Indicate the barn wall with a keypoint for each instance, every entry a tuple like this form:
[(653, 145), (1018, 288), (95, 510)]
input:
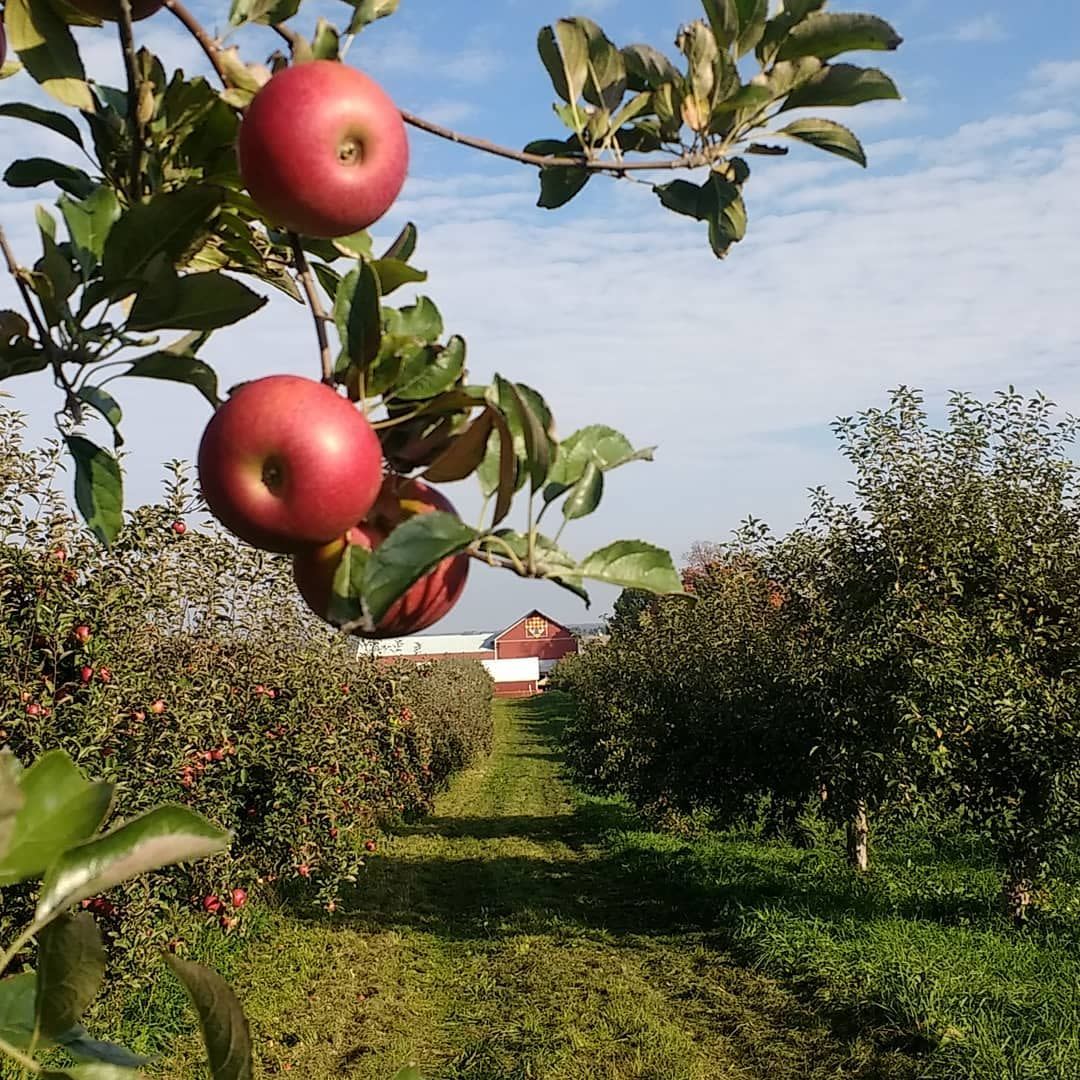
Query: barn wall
[(515, 689)]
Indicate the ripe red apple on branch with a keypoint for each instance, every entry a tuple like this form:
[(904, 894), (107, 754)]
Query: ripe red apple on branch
[(287, 463), (427, 600), (323, 150)]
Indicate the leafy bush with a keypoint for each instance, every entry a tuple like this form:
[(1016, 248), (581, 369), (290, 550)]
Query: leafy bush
[(176, 666)]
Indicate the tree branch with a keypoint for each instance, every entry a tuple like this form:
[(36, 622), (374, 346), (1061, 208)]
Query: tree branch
[(683, 161), (127, 45), (195, 28), (318, 313), (72, 402)]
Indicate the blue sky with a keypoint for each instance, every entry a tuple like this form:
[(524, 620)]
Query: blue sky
[(951, 263)]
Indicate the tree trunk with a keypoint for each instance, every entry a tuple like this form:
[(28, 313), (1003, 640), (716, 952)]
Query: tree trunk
[(858, 838), (1016, 892)]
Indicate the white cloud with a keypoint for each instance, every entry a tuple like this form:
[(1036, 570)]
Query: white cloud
[(397, 52), (448, 113), (1053, 77), (982, 29), (951, 263)]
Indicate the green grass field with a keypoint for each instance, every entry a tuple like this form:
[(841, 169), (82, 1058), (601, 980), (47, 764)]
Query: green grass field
[(528, 931)]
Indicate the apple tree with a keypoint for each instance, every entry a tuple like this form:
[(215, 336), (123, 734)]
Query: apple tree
[(197, 196)]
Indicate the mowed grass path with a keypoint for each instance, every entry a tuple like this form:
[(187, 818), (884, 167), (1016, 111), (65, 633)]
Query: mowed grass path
[(503, 939)]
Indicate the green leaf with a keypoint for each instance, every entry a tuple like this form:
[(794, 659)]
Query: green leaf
[(324, 45), (48, 51), (827, 135), (97, 1053), (647, 68), (357, 314), (723, 20), (346, 594), (32, 172), (71, 968), (99, 486), (499, 470), (586, 494), (606, 83), (825, 34), (559, 184), (11, 798), (393, 274), (535, 421), (420, 320), (329, 279), (45, 117), (103, 402), (163, 836), (60, 808), (779, 26), (564, 50), (681, 196), (605, 446), (170, 223), (753, 15), (176, 364), (224, 1027), (404, 244), (197, 302), (410, 551), (89, 222), (17, 993), (431, 370), (367, 11), (840, 85), (465, 454), (633, 564), (262, 11)]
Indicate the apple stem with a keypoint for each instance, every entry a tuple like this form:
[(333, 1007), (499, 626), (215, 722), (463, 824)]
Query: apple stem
[(318, 312)]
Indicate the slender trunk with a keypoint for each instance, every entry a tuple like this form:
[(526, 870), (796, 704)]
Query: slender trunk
[(1017, 888), (858, 838)]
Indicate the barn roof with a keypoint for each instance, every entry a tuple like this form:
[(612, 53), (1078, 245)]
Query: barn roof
[(529, 615)]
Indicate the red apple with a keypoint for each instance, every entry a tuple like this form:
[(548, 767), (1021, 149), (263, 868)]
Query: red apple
[(426, 601), (109, 10), (288, 462), (211, 903), (33, 709), (104, 674), (86, 674), (81, 633), (157, 707), (370, 845), (239, 898), (179, 528), (323, 149)]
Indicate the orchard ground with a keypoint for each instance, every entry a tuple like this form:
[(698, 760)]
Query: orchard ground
[(528, 930)]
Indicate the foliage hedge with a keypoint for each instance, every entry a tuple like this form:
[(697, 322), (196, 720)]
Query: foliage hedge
[(201, 682), (912, 652)]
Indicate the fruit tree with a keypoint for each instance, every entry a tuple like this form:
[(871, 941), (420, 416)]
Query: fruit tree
[(271, 176)]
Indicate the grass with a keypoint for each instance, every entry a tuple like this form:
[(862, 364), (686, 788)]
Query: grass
[(524, 932)]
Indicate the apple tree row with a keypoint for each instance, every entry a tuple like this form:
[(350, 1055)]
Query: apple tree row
[(177, 666), (912, 651)]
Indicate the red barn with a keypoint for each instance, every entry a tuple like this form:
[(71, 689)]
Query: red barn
[(516, 658), (535, 635)]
